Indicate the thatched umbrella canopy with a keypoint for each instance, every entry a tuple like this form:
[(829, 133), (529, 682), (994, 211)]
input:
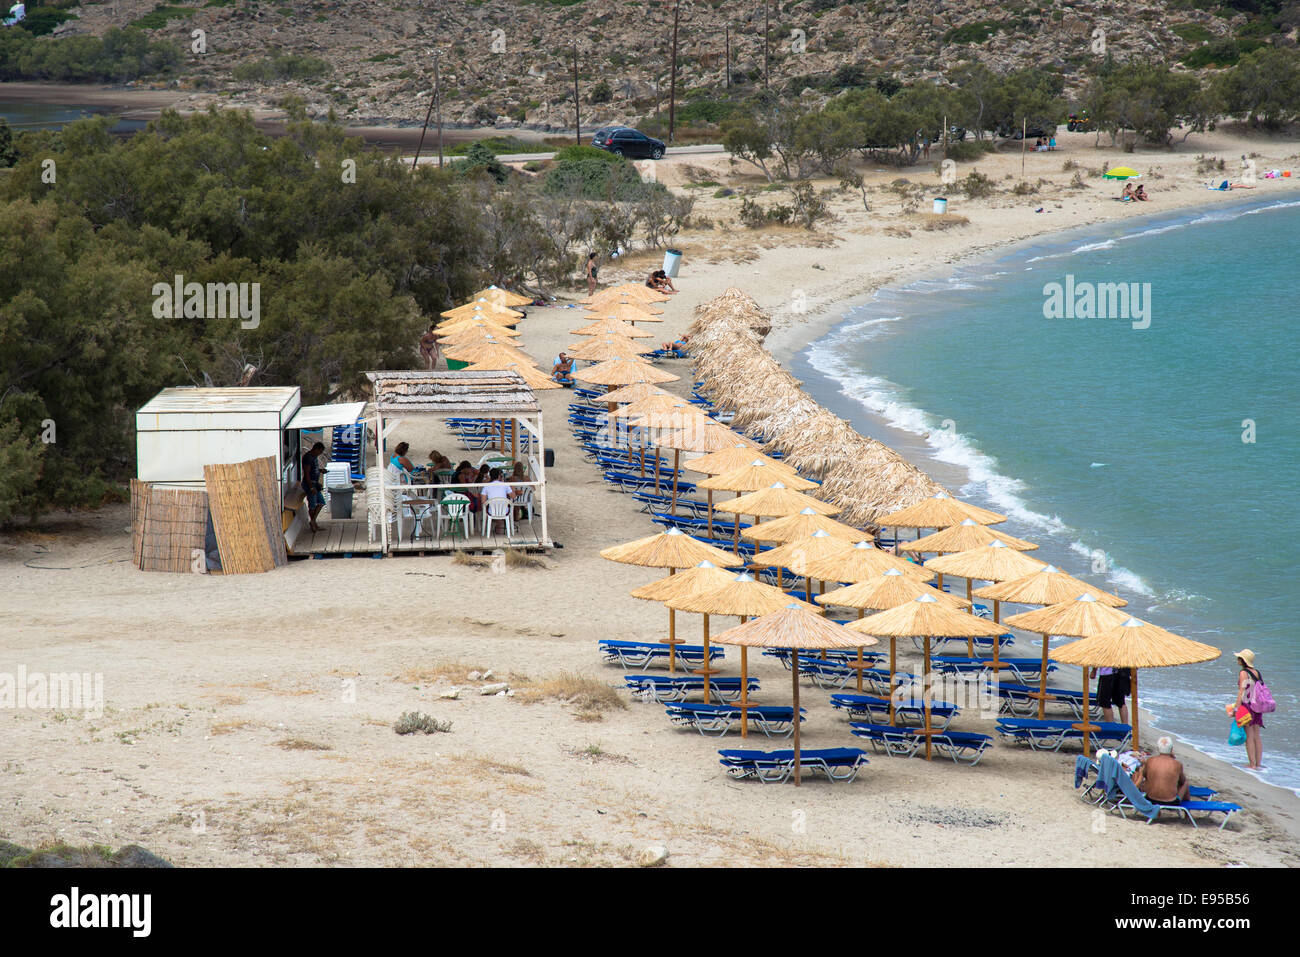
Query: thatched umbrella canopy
[(743, 596), (474, 334), (489, 350), (800, 554), (887, 590), (1081, 617), (658, 402), (925, 616), (602, 348), (939, 511), (705, 574), (774, 501), (795, 626), (703, 435), (532, 376), (672, 549), (1134, 644), (867, 561), (625, 312), (485, 309), (634, 393), (618, 372), (967, 535), (1047, 586), (628, 290), (502, 297), (455, 326), (757, 474), (802, 524), (612, 327), (732, 458), (996, 561)]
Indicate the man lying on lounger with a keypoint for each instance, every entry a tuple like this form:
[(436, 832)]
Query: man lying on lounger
[(1161, 777)]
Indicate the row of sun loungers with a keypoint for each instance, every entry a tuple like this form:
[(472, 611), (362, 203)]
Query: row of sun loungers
[(1049, 735), (775, 767), (641, 654), (666, 688), (718, 719), (964, 747)]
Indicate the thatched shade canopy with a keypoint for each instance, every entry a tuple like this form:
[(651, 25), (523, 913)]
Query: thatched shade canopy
[(887, 590), (775, 500), (867, 561), (659, 402), (799, 554), (622, 372), (670, 549), (802, 524), (489, 350), (995, 561), (502, 297), (732, 458), (1080, 617), (702, 577), (967, 535), (536, 379), (603, 348), (485, 310), (938, 511), (743, 596), (625, 312), (755, 475), (629, 290), (461, 325), (471, 336), (1047, 586), (634, 393), (612, 327), (702, 435)]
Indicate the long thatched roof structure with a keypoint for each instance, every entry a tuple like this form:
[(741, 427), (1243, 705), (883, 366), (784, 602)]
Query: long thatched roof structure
[(864, 478)]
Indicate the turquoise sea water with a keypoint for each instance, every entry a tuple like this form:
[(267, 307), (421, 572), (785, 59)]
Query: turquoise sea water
[(1120, 449)]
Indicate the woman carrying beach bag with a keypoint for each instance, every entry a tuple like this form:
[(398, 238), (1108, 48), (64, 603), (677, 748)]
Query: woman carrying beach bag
[(1254, 696)]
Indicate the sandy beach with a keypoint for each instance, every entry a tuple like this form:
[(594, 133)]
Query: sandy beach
[(248, 720)]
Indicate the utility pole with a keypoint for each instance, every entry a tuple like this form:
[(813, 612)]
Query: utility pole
[(427, 114), (577, 111), (767, 49), (672, 83), (437, 103), (727, 64)]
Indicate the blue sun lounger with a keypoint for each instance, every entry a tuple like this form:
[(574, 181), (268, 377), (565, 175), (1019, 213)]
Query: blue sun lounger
[(873, 709), (641, 654), (1024, 669), (665, 688), (838, 764), (964, 747), (1104, 789), (1134, 800), (1016, 700), (720, 718), (1050, 735), (983, 643)]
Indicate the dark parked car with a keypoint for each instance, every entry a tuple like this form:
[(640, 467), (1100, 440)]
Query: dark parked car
[(625, 141)]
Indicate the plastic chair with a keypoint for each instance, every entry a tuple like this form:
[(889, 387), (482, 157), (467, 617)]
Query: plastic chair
[(524, 501), (375, 513), (454, 510), (499, 510)]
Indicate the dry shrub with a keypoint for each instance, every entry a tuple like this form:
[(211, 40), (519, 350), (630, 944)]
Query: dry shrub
[(301, 744), (413, 721), (456, 672), (589, 696), (931, 222)]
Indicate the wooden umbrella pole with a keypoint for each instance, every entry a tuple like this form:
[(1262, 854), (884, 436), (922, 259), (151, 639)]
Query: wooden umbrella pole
[(710, 513), (744, 687), (707, 659), (1042, 685), (794, 670), (861, 614), (926, 687), (807, 589), (672, 509), (892, 649), (672, 641), (970, 639), (643, 461), (514, 440), (656, 464), (997, 611), (1087, 722)]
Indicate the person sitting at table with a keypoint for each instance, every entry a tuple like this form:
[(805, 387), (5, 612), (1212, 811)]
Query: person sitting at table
[(1161, 776), (467, 475), (438, 461), (562, 370), (399, 461), (497, 489), (519, 473)]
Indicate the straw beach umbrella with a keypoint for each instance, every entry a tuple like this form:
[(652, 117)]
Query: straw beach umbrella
[(959, 538), (454, 326), (629, 313), (925, 616), (533, 377), (705, 574), (794, 626), (485, 309), (1133, 644), (802, 524), (672, 549), (864, 562), (697, 434), (887, 590), (801, 553), (627, 290), (1082, 617), (997, 561), (775, 501), (757, 473), (602, 348), (1047, 586), (732, 458), (502, 297), (489, 350), (615, 327), (939, 511), (743, 596), (618, 372), (634, 393)]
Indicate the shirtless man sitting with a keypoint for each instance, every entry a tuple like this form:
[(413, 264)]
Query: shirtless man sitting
[(1161, 777)]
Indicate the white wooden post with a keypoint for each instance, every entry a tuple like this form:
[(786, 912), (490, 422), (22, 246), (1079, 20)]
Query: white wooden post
[(541, 477), (383, 510)]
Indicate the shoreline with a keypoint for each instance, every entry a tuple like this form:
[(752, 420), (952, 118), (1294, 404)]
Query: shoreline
[(790, 342)]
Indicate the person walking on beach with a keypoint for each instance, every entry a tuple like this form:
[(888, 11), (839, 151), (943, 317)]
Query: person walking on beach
[(311, 483), (1247, 676), (591, 273), (429, 348)]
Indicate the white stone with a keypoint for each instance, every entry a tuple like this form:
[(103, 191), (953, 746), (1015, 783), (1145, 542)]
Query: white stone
[(652, 856), (494, 688)]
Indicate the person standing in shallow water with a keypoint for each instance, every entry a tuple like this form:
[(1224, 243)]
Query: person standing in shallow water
[(1247, 675)]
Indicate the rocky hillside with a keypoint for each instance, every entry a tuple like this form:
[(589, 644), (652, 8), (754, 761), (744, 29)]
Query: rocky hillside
[(508, 62)]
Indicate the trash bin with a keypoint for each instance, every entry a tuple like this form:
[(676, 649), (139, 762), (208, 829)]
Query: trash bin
[(672, 260), (940, 205), (548, 458), (341, 502)]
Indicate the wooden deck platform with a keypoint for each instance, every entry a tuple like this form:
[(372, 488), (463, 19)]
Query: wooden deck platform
[(351, 536)]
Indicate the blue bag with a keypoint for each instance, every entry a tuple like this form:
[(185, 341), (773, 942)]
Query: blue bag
[(1237, 735)]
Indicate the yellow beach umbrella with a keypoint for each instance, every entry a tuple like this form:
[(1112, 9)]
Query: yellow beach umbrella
[(867, 561), (602, 348), (634, 393), (1047, 586), (484, 310), (455, 326), (618, 372), (802, 524), (801, 553), (502, 297), (615, 327), (536, 380)]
